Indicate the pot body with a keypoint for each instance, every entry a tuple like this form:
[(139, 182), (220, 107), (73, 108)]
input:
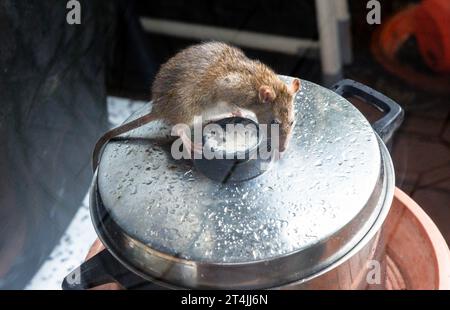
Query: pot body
[(363, 270)]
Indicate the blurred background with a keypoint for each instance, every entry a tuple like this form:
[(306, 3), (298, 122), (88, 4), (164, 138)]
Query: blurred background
[(62, 85)]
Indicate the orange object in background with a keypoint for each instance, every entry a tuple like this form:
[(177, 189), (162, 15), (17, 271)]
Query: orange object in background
[(429, 23), (433, 33)]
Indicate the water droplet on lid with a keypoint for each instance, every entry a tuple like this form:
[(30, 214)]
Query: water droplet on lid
[(255, 253), (133, 190), (256, 236)]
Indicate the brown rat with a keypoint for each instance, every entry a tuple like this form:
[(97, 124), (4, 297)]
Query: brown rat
[(214, 78)]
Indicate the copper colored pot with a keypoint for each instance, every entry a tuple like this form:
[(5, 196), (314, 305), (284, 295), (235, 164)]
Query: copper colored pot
[(416, 255)]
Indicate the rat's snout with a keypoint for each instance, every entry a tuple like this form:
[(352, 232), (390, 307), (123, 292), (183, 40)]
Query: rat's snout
[(280, 133), (284, 143), (279, 139), (284, 138)]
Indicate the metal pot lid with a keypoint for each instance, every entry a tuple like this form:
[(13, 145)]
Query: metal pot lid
[(314, 204)]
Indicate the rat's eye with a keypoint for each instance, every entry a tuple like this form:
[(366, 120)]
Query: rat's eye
[(291, 123)]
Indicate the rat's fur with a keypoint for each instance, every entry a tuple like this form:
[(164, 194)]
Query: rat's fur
[(199, 77), (214, 78)]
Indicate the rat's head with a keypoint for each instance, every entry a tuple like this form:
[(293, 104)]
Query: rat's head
[(276, 106)]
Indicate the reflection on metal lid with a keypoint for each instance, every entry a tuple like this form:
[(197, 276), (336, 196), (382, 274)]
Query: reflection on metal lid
[(319, 191)]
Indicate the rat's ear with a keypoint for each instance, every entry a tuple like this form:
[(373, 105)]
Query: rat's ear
[(266, 94), (295, 86)]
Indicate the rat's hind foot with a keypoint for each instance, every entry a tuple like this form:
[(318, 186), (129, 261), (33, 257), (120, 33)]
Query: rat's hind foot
[(190, 147), (197, 148), (194, 149), (237, 113)]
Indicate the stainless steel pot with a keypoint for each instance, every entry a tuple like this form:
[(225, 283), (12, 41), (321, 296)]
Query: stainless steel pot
[(311, 221)]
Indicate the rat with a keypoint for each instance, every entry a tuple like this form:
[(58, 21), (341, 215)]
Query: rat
[(213, 78)]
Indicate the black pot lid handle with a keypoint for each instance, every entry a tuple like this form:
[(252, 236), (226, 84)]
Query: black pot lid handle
[(394, 114), (101, 269)]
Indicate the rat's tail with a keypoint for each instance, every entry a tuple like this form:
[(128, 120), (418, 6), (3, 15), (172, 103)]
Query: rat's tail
[(118, 131)]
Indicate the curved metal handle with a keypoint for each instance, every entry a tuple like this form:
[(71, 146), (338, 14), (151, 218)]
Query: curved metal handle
[(390, 122), (101, 269)]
